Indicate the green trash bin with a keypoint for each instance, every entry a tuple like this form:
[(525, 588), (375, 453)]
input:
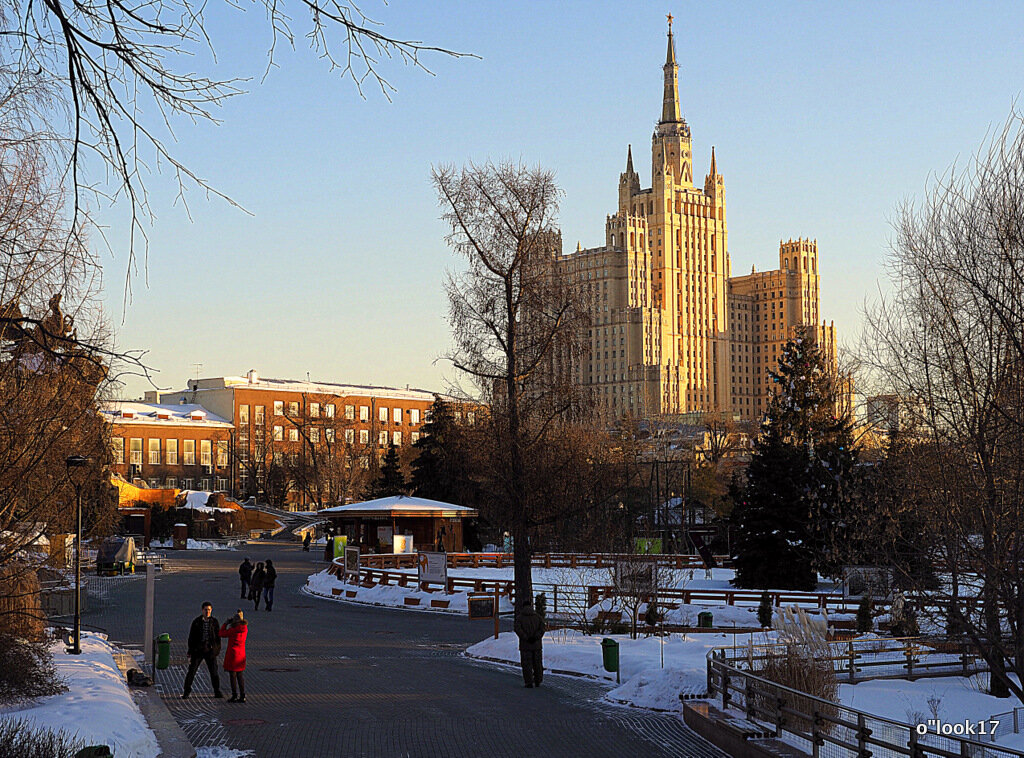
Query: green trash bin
[(610, 652), (705, 620), (163, 651)]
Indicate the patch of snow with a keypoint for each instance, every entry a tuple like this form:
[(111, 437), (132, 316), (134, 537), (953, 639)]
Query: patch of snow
[(97, 708), (222, 751)]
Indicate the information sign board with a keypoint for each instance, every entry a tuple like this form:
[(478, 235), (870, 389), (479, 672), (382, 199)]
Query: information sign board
[(433, 567), (352, 561)]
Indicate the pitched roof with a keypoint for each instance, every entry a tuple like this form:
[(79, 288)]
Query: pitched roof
[(401, 505)]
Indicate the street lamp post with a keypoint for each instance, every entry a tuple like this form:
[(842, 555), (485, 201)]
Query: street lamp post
[(75, 466)]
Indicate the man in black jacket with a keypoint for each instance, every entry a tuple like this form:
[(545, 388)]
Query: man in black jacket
[(268, 584), (529, 628), (245, 574), (203, 645)]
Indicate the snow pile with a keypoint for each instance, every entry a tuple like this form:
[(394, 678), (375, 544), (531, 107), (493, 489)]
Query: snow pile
[(192, 544), (645, 683), (196, 501), (222, 751), (97, 705), (684, 615), (322, 584)]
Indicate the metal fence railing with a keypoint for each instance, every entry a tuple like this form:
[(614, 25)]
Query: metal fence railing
[(826, 729)]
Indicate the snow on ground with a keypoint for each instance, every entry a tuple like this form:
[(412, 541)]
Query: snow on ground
[(195, 545), (97, 705), (322, 583), (645, 683), (220, 751), (950, 699)]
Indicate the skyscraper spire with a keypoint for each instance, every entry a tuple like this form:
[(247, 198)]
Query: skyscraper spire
[(714, 171), (629, 160), (670, 105)]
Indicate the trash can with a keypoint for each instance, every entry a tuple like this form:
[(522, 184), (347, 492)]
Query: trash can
[(163, 651), (610, 652), (705, 620)]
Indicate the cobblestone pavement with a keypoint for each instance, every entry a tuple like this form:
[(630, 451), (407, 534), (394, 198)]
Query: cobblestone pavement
[(334, 679)]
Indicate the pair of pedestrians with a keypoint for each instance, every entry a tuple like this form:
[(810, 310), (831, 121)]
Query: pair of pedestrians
[(258, 581), (204, 638)]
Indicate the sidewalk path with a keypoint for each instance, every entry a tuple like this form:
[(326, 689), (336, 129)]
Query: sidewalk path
[(333, 679)]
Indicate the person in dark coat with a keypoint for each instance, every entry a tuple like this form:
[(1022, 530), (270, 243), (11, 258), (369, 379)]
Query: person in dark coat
[(203, 645), (245, 574), (268, 584), (236, 630), (256, 586), (305, 542), (530, 628)]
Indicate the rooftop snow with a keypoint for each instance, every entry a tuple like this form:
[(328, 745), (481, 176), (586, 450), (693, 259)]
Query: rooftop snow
[(150, 413)]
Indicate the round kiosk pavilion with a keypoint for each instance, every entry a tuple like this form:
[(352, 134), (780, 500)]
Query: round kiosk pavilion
[(373, 524)]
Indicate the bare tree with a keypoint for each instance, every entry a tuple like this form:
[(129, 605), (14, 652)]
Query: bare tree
[(105, 63), (515, 325), (949, 344)]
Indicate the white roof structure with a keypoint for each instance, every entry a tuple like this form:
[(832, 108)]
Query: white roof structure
[(133, 412), (253, 381), (401, 505)]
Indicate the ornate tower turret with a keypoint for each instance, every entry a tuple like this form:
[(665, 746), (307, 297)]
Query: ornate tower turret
[(671, 141), (629, 181)]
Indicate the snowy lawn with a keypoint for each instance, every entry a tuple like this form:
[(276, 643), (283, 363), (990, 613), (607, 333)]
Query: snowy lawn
[(196, 545), (645, 683), (97, 705), (950, 699), (322, 584)]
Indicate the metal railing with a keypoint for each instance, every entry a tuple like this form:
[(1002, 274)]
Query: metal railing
[(827, 729)]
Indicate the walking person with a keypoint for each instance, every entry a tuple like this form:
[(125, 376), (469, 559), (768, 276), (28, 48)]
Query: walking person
[(203, 645), (245, 574), (305, 542), (529, 629), (236, 630), (268, 584), (256, 585)]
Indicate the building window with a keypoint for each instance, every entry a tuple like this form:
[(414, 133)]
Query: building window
[(171, 452), (278, 408), (204, 485), (314, 410), (398, 415), (260, 415), (293, 409), (470, 417), (364, 413), (222, 453), (172, 482), (415, 437), (329, 410), (314, 435), (189, 453), (396, 439), (350, 436), (382, 439), (350, 412), (293, 434), (205, 452), (135, 451), (186, 484), (118, 445), (382, 414), (278, 433), (222, 484), (243, 414), (364, 437), (154, 452), (414, 416), (329, 435)]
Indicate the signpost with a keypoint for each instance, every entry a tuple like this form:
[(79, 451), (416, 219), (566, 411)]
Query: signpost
[(432, 567), (352, 562), (485, 607)]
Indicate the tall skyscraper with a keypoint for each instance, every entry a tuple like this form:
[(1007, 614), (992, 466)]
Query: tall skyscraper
[(672, 332)]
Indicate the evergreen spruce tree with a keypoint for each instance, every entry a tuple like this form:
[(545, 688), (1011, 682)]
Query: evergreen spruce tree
[(765, 611), (391, 480), (865, 618), (790, 520), (436, 472)]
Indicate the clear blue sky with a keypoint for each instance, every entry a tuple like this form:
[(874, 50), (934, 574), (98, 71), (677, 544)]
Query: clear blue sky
[(824, 117)]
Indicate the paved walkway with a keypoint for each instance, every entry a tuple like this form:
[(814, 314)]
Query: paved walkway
[(333, 679)]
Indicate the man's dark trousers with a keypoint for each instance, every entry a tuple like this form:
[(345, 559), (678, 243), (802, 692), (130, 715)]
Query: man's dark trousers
[(193, 666), (533, 665)]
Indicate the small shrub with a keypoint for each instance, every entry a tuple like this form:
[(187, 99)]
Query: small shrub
[(765, 611), (653, 615), (20, 739), (26, 670), (865, 620), (798, 668)]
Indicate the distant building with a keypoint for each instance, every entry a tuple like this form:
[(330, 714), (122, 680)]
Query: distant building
[(672, 331)]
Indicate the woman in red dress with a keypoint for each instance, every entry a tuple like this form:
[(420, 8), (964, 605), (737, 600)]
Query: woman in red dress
[(235, 630)]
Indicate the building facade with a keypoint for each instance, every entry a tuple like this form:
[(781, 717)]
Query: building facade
[(672, 331)]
